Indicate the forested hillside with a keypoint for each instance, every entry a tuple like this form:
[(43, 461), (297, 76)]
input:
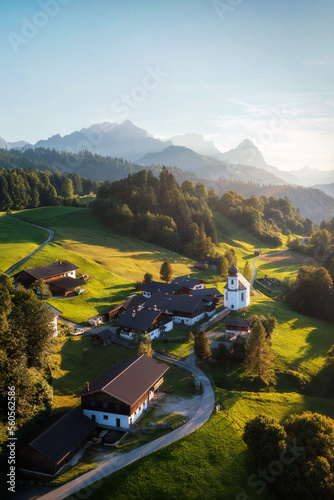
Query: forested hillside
[(312, 203), (159, 211), (180, 218), (22, 188)]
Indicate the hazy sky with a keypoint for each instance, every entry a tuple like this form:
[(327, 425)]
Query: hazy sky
[(227, 69)]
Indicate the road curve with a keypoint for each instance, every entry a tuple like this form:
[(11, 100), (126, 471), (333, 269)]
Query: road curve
[(120, 460), (254, 267), (50, 237)]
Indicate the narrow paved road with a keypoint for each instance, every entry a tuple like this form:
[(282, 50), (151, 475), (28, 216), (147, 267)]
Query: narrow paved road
[(50, 237), (122, 459), (254, 268)]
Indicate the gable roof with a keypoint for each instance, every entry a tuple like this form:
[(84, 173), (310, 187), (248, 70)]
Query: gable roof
[(129, 379), (206, 292), (188, 282), (67, 283), (159, 286), (230, 322), (142, 320), (180, 303), (104, 334), (49, 270), (61, 434)]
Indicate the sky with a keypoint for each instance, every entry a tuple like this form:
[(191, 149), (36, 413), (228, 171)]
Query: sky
[(226, 69)]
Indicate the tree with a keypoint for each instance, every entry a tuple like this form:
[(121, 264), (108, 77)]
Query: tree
[(202, 346), (265, 438), (268, 323), (147, 277), (258, 354), (145, 347), (189, 337), (166, 272), (41, 289), (248, 272), (222, 266), (67, 188)]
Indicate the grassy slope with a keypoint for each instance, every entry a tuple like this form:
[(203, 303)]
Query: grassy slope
[(17, 240), (113, 262)]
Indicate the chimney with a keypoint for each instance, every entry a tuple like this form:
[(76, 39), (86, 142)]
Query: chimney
[(133, 313), (87, 386)]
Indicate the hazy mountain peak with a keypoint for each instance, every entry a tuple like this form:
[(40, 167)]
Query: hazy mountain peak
[(197, 143)]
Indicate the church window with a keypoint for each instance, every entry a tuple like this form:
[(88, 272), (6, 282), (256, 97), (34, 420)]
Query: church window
[(242, 296)]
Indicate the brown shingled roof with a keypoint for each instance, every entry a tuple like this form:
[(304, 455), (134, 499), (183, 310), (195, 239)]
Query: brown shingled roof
[(67, 283), (129, 379), (49, 270)]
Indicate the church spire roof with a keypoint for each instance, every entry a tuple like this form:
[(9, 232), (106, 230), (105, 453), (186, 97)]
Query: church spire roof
[(233, 270)]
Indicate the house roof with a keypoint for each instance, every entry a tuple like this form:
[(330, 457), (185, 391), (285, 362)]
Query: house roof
[(104, 334), (54, 310), (158, 286), (49, 270), (66, 283), (61, 434), (142, 320), (187, 282), (206, 292), (129, 379), (230, 322), (180, 303)]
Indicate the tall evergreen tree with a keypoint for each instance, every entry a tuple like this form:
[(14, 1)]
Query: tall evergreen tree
[(202, 346), (166, 272), (67, 188), (248, 271), (258, 360)]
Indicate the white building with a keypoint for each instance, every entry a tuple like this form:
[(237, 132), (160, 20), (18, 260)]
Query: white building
[(237, 290), (120, 396)]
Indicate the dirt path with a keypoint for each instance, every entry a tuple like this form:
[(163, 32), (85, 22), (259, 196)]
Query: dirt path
[(20, 262)]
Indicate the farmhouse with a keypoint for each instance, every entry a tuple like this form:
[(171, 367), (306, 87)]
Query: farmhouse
[(52, 446), (237, 290), (60, 276), (179, 284), (119, 397), (185, 309), (144, 321), (132, 301)]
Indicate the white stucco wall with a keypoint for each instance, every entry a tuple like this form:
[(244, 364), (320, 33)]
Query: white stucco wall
[(111, 420)]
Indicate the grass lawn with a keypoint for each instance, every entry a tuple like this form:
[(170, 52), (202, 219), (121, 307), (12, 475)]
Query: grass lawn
[(299, 347), (281, 266), (17, 240), (113, 262), (80, 231), (181, 350), (209, 464), (76, 361)]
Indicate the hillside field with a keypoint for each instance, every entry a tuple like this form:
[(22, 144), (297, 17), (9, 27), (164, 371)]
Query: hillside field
[(17, 240)]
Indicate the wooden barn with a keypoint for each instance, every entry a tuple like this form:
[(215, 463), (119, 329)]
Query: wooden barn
[(52, 446), (102, 338)]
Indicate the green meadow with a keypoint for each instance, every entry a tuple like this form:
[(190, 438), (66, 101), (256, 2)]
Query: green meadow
[(17, 240)]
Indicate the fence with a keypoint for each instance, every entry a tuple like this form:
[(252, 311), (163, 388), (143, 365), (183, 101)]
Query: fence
[(217, 317)]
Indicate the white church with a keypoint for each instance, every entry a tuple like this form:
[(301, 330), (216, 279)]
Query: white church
[(237, 290)]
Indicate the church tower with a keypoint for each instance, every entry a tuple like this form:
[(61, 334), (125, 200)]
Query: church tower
[(237, 290)]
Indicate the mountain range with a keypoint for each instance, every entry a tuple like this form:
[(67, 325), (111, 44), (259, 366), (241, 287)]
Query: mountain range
[(188, 152)]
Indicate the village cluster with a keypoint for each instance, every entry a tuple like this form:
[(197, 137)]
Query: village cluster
[(119, 397)]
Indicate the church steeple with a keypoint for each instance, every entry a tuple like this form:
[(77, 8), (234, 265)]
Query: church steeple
[(233, 270)]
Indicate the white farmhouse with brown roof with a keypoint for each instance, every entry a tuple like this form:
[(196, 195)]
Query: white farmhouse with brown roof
[(237, 290), (119, 396)]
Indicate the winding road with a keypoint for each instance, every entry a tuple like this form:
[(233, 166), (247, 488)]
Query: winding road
[(20, 262), (120, 460)]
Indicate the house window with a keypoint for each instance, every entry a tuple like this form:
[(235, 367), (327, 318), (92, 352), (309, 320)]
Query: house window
[(92, 403), (105, 405), (105, 417), (117, 407)]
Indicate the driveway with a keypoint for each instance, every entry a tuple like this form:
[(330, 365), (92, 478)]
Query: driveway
[(205, 406)]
